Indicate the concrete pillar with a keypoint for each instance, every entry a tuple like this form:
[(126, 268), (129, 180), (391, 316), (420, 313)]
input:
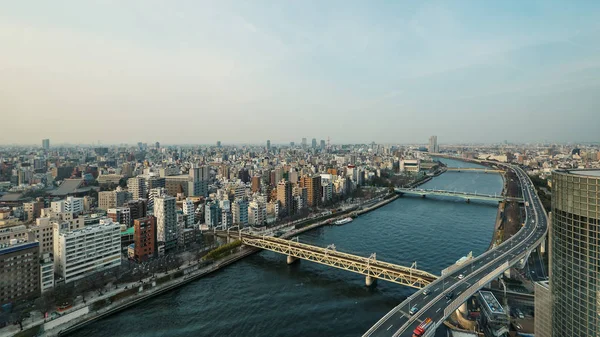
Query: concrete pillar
[(468, 201), (370, 281), (291, 259), (423, 196)]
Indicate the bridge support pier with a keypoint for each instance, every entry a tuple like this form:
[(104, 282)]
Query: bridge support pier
[(291, 259), (423, 196), (370, 281), (468, 201)]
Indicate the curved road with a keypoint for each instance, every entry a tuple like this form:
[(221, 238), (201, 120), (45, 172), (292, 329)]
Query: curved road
[(448, 292)]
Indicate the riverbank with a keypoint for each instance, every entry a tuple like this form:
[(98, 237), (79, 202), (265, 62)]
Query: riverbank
[(137, 292)]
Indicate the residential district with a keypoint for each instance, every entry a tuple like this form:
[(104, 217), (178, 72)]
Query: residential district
[(83, 228)]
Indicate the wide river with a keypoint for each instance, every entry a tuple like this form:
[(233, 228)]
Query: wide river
[(263, 296)]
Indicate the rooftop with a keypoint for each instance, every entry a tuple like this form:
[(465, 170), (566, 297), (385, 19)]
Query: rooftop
[(491, 302), (594, 173)]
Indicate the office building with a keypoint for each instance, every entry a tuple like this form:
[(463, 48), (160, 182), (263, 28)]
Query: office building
[(239, 210), (304, 144), (322, 144), (284, 197), (111, 199), (268, 145), (314, 143), (543, 309), (20, 271), (198, 181), (88, 250), (166, 221), (153, 194), (410, 165), (433, 145), (136, 186), (46, 144), (144, 237), (575, 253)]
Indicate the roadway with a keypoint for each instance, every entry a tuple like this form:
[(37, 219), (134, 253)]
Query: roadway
[(448, 292)]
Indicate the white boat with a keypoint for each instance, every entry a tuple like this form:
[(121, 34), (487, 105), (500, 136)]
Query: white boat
[(343, 221)]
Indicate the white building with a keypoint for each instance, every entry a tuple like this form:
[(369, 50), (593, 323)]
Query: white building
[(240, 212), (137, 187), (85, 251), (166, 220), (46, 272), (73, 205), (257, 213), (410, 165), (188, 209)]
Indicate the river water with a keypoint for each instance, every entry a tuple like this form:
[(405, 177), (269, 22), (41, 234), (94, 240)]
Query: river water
[(263, 296)]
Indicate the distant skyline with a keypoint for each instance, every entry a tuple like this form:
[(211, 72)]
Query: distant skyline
[(182, 72)]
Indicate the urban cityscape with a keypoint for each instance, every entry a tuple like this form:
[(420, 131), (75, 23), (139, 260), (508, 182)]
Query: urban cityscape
[(335, 169)]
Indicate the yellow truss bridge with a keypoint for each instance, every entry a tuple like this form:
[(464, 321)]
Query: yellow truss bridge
[(370, 267)]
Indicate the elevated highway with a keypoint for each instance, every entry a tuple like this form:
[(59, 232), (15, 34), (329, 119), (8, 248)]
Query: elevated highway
[(370, 267), (448, 292), (464, 195)]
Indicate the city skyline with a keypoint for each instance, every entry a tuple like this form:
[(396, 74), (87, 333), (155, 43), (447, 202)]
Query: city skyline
[(370, 72)]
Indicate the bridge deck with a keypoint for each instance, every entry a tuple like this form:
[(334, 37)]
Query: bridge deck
[(410, 277)]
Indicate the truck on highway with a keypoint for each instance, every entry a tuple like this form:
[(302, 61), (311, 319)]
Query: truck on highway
[(420, 330)]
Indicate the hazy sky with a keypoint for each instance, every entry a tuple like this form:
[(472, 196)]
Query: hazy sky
[(247, 71)]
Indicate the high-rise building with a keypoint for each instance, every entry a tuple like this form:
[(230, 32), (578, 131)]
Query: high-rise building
[(322, 144), (303, 143), (268, 145), (198, 181), (543, 309), (433, 145), (144, 237), (313, 185), (46, 144), (20, 277), (137, 208), (74, 205), (85, 251), (166, 220), (575, 253), (137, 187), (255, 184), (218, 143), (189, 211), (314, 143), (239, 210), (284, 197), (212, 214)]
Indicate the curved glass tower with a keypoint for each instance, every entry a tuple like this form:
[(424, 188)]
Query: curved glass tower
[(575, 253)]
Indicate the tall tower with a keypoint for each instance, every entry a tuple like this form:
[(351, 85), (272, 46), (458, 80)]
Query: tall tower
[(433, 145), (575, 253), (268, 145), (46, 144)]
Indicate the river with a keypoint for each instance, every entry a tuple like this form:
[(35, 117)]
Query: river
[(263, 296)]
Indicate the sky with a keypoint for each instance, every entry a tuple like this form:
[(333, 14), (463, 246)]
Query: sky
[(194, 72)]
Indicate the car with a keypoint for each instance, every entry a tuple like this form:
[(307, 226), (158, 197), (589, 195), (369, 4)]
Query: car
[(426, 292), (449, 295), (461, 276), (413, 310)]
